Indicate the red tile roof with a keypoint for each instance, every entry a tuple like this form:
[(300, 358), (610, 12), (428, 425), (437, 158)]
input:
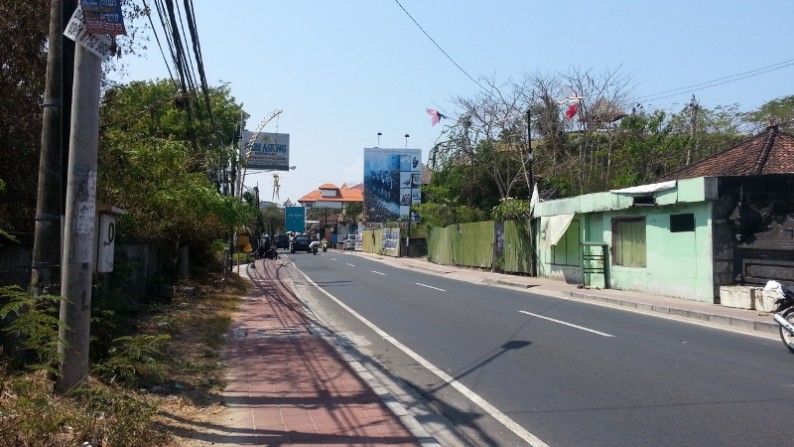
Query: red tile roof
[(344, 194), (769, 152)]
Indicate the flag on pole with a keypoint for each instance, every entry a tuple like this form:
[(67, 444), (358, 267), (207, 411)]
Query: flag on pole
[(571, 111), (534, 200), (436, 116), (572, 99)]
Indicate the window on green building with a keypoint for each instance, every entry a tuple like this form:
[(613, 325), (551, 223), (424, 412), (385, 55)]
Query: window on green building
[(682, 222), (628, 241)]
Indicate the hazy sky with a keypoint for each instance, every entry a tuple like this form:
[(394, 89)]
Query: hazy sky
[(344, 70)]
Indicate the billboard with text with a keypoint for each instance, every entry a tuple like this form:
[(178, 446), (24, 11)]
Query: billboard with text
[(269, 151), (392, 183)]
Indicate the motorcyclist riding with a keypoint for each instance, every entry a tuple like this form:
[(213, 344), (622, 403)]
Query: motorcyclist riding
[(314, 245)]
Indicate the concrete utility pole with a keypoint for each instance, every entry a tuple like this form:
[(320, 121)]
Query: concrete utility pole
[(47, 243), (694, 108), (77, 264), (54, 135)]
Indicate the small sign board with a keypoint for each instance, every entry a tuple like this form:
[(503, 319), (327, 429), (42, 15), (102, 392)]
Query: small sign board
[(76, 30), (103, 17)]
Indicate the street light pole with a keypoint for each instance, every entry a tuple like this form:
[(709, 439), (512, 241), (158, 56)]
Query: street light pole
[(410, 202)]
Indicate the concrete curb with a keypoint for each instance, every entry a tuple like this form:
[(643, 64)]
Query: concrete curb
[(719, 320)]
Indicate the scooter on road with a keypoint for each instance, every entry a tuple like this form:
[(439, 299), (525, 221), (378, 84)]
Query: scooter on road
[(784, 312)]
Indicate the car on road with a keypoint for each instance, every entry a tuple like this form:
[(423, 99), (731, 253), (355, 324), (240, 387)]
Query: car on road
[(300, 243), (349, 242), (282, 241)]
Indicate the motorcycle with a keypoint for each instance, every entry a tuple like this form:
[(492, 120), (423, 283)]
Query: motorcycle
[(314, 249), (272, 253), (325, 246), (784, 312)]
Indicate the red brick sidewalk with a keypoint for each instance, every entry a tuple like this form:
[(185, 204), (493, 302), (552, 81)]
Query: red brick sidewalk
[(288, 386)]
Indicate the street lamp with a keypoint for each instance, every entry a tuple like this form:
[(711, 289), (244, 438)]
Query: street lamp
[(379, 134), (410, 201)]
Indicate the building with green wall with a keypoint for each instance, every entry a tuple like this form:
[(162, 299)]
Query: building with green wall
[(652, 238), (726, 220)]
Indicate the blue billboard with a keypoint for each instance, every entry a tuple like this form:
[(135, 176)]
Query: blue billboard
[(295, 219)]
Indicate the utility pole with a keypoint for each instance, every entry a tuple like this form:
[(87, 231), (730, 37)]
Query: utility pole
[(47, 241), (533, 258), (694, 107), (77, 262)]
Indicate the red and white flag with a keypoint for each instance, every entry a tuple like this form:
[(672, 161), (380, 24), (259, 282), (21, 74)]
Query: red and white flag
[(436, 116)]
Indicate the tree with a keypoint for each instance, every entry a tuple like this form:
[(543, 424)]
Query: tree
[(22, 73), (778, 111), (490, 137), (156, 163)]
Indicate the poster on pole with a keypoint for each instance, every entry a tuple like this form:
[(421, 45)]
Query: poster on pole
[(99, 44), (295, 217), (268, 151), (103, 17), (392, 184)]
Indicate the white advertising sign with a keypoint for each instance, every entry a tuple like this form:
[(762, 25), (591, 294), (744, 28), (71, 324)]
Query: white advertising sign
[(270, 151), (76, 30)]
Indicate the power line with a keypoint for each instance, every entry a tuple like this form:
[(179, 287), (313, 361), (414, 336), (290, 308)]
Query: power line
[(439, 47), (717, 82)]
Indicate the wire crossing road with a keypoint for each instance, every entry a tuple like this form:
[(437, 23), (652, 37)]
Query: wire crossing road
[(509, 367)]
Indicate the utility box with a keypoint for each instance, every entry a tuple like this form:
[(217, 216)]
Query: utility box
[(106, 238)]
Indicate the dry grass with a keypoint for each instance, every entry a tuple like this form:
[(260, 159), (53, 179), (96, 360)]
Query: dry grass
[(166, 414), (198, 325)]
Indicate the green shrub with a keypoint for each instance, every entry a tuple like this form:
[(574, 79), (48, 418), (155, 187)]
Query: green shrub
[(33, 321), (134, 360)]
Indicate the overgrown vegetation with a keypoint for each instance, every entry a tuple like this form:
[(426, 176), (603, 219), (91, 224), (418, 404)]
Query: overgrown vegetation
[(167, 367)]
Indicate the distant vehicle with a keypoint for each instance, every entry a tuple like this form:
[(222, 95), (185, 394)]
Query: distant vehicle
[(349, 242), (300, 243), (282, 241)]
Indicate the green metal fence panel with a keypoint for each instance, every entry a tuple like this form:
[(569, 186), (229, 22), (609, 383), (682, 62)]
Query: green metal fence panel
[(473, 246), (518, 247), (439, 245)]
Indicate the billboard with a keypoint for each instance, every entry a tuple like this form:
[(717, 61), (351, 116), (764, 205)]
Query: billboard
[(269, 152), (392, 183), (295, 217)]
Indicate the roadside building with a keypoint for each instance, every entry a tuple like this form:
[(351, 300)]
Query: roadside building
[(725, 221)]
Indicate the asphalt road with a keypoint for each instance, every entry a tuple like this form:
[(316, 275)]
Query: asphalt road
[(509, 367)]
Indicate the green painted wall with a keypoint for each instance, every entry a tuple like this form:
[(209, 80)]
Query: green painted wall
[(678, 264)]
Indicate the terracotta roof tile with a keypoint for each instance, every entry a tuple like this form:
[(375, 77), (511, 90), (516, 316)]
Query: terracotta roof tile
[(345, 194), (769, 152)]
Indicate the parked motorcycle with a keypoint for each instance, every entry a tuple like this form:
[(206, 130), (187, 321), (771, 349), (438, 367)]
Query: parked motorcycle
[(272, 253), (325, 245), (784, 312)]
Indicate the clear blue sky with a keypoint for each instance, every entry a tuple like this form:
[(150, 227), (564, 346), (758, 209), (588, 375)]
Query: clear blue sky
[(342, 71)]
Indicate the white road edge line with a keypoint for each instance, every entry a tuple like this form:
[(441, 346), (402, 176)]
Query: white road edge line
[(429, 287), (379, 273), (581, 328), (505, 420)]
